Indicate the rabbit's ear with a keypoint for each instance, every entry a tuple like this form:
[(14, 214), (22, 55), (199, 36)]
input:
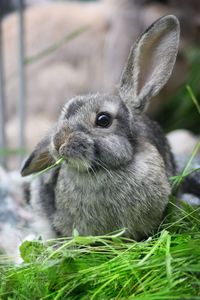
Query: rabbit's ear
[(39, 159), (150, 63)]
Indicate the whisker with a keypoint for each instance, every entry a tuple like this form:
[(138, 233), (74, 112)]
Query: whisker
[(95, 175)]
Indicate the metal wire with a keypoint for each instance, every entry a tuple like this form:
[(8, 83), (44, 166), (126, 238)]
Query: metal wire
[(21, 99), (2, 101)]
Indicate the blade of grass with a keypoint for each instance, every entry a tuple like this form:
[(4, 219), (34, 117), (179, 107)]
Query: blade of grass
[(186, 174), (179, 178), (163, 236), (10, 152), (168, 261), (192, 96), (58, 162), (186, 215), (57, 45)]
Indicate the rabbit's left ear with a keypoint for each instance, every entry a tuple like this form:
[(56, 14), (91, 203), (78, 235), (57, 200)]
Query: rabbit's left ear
[(150, 63), (39, 159)]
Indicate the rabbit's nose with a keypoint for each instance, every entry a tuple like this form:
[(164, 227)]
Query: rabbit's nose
[(78, 145), (61, 137)]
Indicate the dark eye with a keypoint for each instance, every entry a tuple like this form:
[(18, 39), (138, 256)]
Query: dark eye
[(103, 119)]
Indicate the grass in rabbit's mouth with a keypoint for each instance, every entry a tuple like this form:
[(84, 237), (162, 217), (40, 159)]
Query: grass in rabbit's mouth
[(57, 163)]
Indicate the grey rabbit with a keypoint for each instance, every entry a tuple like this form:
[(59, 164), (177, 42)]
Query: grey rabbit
[(117, 162)]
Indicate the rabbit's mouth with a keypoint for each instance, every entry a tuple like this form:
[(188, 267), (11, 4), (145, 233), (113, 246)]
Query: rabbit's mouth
[(76, 148), (80, 165)]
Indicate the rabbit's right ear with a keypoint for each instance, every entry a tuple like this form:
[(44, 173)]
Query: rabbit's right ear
[(150, 63), (39, 159)]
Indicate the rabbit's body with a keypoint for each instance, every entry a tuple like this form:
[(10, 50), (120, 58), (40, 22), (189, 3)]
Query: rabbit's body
[(117, 162), (131, 195), (115, 203)]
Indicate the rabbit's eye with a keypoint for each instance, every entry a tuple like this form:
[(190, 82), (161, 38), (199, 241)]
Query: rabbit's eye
[(103, 120)]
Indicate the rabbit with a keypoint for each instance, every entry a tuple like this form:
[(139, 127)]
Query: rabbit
[(116, 161)]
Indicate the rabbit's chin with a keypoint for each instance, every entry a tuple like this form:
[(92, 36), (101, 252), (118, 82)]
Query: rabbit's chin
[(80, 165)]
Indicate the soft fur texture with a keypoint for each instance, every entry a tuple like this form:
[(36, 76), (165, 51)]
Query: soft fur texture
[(116, 176)]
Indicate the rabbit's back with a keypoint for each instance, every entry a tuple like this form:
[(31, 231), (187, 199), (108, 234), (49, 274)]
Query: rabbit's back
[(155, 135)]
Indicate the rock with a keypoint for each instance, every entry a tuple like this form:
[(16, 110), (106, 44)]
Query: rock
[(182, 142), (18, 222), (15, 215), (190, 199)]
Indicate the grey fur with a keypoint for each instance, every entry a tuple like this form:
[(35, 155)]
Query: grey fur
[(114, 177)]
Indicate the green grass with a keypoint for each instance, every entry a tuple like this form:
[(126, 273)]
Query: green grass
[(167, 266)]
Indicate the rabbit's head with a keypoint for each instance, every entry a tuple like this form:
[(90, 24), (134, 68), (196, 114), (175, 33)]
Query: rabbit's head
[(99, 131)]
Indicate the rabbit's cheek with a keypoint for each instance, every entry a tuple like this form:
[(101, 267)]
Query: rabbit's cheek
[(113, 151)]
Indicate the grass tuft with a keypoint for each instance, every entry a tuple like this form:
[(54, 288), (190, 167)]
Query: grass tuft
[(167, 266)]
